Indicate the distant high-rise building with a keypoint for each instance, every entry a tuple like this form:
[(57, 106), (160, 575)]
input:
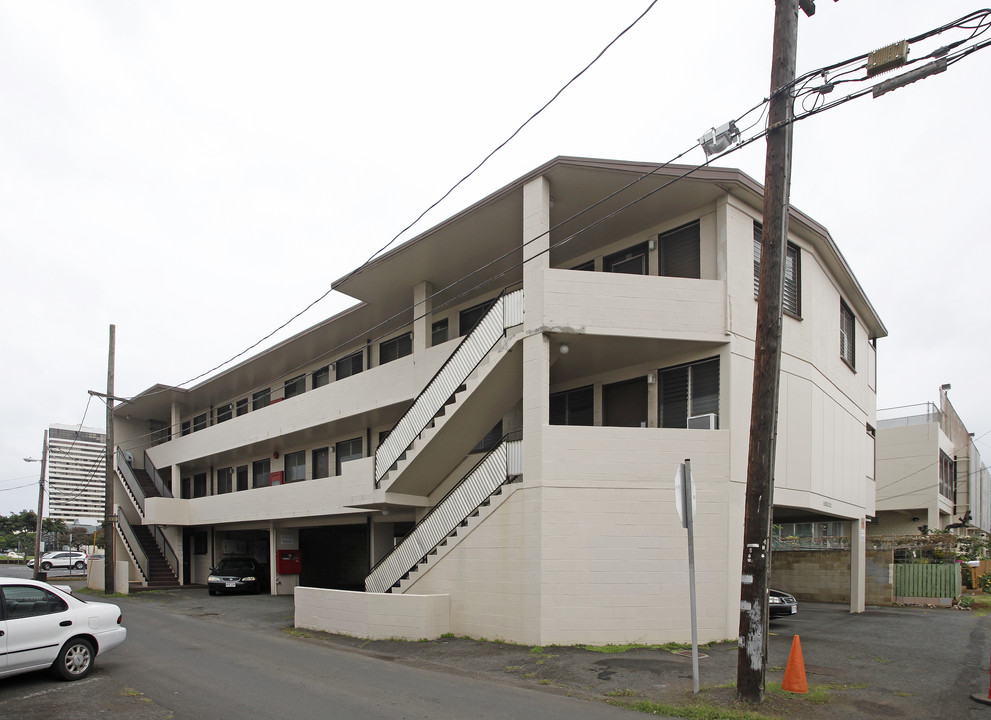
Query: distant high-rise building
[(76, 474)]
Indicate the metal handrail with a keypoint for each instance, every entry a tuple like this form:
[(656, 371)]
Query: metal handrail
[(444, 384), (131, 540), (127, 473), (455, 507), (163, 489), (166, 548)]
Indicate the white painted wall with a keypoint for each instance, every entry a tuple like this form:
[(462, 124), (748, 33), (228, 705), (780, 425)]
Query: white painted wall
[(378, 616)]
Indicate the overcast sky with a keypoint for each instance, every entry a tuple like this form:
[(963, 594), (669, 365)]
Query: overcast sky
[(198, 172)]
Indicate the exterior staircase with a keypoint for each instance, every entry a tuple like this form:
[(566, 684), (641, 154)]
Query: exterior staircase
[(481, 490), (158, 572), (432, 407), (461, 403), (147, 544)]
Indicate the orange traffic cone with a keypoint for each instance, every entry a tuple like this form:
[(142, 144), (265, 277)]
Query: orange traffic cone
[(795, 671)]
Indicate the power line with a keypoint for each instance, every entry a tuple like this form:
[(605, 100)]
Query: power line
[(436, 202), (821, 90)]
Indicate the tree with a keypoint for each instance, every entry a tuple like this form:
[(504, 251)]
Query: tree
[(79, 538)]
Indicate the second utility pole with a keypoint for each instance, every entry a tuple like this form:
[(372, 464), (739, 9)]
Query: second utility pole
[(752, 653)]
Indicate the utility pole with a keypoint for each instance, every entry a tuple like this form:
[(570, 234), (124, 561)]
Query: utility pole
[(752, 652), (41, 505), (109, 536)]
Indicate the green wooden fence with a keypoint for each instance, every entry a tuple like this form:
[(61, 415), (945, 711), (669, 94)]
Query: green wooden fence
[(931, 581)]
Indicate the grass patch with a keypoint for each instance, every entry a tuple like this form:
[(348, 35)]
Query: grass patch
[(670, 647), (701, 711), (448, 635), (881, 660), (512, 668), (538, 650), (296, 632), (625, 692), (529, 675), (130, 692), (817, 694), (545, 681)]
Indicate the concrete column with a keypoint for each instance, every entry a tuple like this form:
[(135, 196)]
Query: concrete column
[(176, 419), (536, 401), (422, 316), (536, 238), (858, 564)]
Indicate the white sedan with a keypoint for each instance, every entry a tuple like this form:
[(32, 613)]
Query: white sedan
[(44, 626)]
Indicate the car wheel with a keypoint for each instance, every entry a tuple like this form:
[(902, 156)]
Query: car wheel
[(212, 591), (75, 659), (46, 566), (80, 565)]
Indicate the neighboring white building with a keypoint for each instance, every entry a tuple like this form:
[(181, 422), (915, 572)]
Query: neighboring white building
[(76, 474), (929, 473), (522, 381)]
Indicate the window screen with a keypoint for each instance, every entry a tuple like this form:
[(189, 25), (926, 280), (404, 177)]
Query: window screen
[(688, 391), (572, 407), (847, 335), (625, 404), (680, 252), (632, 261)]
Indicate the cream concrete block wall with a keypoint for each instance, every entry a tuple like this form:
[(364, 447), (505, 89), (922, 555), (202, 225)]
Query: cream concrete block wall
[(635, 305), (595, 544), (493, 574), (323, 496), (614, 554), (891, 522), (378, 616)]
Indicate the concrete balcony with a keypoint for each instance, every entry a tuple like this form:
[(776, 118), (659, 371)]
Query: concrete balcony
[(637, 306), (370, 393), (310, 498)]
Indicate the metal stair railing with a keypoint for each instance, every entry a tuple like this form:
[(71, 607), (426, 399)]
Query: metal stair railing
[(506, 312), (152, 471), (126, 473), (491, 472), (133, 545), (166, 548)]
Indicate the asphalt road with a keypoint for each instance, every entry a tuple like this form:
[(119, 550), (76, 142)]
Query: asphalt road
[(179, 665), (190, 656)]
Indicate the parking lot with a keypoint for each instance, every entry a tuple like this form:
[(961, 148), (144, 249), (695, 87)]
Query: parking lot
[(899, 661)]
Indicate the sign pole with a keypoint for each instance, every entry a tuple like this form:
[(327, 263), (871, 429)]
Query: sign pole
[(688, 490)]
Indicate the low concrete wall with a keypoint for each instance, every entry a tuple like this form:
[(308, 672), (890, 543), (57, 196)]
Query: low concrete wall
[(377, 616), (95, 576), (824, 575)]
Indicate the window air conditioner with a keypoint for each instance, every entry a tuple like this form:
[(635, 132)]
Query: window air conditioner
[(702, 422)]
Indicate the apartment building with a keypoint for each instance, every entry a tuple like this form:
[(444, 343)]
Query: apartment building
[(498, 420), (76, 474), (930, 475)]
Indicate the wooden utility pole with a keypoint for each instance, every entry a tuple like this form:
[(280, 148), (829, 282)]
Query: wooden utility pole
[(41, 505), (109, 534), (752, 653)]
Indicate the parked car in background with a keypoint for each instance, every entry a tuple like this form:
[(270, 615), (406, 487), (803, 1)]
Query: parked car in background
[(781, 604), (63, 559), (46, 627), (238, 574)]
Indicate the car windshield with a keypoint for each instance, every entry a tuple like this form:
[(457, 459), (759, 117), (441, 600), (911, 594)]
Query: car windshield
[(234, 566)]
